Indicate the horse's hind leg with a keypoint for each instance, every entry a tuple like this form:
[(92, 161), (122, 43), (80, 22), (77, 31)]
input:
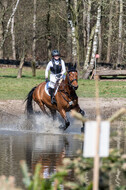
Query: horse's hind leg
[(42, 107)]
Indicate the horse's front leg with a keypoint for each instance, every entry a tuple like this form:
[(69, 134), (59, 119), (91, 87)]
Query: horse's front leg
[(67, 123), (82, 112)]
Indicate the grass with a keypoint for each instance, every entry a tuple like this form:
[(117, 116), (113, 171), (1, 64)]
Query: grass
[(13, 88)]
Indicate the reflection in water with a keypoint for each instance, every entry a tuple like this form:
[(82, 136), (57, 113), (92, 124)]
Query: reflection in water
[(49, 150)]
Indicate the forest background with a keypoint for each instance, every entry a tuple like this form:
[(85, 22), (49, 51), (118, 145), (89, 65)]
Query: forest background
[(80, 29)]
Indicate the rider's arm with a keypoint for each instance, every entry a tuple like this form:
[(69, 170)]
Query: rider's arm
[(47, 69), (63, 67)]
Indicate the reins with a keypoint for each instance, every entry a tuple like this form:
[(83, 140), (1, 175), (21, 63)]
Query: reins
[(66, 93)]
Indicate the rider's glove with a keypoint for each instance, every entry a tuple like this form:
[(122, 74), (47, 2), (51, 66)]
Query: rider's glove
[(58, 75), (47, 80)]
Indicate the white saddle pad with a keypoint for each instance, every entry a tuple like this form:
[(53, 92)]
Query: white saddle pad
[(47, 89)]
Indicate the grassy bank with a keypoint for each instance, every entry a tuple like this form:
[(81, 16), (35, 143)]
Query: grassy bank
[(13, 88)]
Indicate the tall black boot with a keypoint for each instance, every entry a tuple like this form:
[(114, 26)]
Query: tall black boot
[(52, 91)]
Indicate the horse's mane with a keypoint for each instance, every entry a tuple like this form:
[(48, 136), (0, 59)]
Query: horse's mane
[(71, 68)]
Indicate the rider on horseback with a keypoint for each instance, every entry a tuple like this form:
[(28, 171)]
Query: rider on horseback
[(57, 68)]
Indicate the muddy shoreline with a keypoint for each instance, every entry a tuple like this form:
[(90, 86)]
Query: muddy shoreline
[(108, 106)]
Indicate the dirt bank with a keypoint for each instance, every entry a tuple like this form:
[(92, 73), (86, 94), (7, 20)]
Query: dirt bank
[(108, 106)]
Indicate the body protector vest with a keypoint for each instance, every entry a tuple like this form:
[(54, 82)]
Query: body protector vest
[(56, 69)]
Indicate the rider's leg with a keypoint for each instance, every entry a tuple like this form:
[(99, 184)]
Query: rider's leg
[(52, 91), (52, 88)]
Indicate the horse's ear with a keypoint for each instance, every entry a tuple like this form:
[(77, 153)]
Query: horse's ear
[(75, 65), (69, 66)]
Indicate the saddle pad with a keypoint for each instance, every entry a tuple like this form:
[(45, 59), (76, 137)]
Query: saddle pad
[(47, 89)]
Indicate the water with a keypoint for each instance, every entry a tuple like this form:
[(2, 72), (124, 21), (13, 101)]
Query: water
[(39, 141)]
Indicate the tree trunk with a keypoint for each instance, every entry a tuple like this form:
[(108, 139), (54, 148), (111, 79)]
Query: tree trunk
[(69, 32), (88, 20), (19, 75), (49, 33), (109, 32), (34, 41), (13, 37), (100, 44), (95, 44), (120, 33), (89, 50), (73, 21), (8, 23), (3, 8), (74, 44), (1, 33), (84, 27)]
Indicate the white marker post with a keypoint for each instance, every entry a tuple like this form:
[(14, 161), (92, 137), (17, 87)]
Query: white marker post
[(96, 142)]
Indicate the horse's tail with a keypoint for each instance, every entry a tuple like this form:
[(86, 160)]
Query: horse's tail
[(29, 107)]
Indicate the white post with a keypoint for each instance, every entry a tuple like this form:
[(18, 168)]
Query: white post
[(96, 159)]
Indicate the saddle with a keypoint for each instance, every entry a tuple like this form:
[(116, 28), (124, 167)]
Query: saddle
[(47, 88)]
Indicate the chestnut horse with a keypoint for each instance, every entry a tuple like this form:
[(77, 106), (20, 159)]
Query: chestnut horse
[(66, 98)]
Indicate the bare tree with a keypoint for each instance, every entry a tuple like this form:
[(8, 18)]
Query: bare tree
[(48, 38), (109, 32), (84, 26), (8, 23), (3, 7), (88, 20), (95, 43), (89, 47), (34, 41), (13, 36), (19, 75), (69, 31), (120, 33)]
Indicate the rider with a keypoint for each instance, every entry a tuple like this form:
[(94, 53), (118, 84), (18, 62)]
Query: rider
[(57, 68)]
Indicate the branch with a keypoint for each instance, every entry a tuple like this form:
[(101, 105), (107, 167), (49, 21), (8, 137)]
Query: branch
[(8, 24), (117, 114), (78, 116)]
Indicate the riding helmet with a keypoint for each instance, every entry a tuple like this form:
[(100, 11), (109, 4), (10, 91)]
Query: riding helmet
[(55, 53)]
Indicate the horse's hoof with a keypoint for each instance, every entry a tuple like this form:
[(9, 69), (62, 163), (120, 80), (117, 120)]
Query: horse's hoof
[(82, 129), (61, 127), (65, 127)]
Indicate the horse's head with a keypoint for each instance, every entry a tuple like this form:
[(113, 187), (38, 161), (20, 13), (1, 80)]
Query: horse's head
[(72, 77)]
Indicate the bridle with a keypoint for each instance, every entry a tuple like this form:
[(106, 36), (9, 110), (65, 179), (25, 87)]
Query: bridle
[(62, 92), (71, 81)]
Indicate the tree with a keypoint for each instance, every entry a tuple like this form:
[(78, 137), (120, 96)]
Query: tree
[(73, 16), (8, 23), (13, 36), (3, 7), (95, 43), (109, 32), (120, 32), (34, 41), (48, 36)]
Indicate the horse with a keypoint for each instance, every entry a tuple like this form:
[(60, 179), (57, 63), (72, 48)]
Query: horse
[(66, 97)]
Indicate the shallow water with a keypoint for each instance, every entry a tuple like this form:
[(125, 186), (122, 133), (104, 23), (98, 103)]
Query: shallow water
[(35, 141), (40, 140)]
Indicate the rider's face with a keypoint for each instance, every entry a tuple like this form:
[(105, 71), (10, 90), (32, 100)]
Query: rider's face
[(56, 57)]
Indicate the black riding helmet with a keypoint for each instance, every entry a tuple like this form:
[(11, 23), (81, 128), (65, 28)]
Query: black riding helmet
[(55, 53)]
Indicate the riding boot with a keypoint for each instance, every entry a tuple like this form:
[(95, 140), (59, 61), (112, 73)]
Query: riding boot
[(53, 100)]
